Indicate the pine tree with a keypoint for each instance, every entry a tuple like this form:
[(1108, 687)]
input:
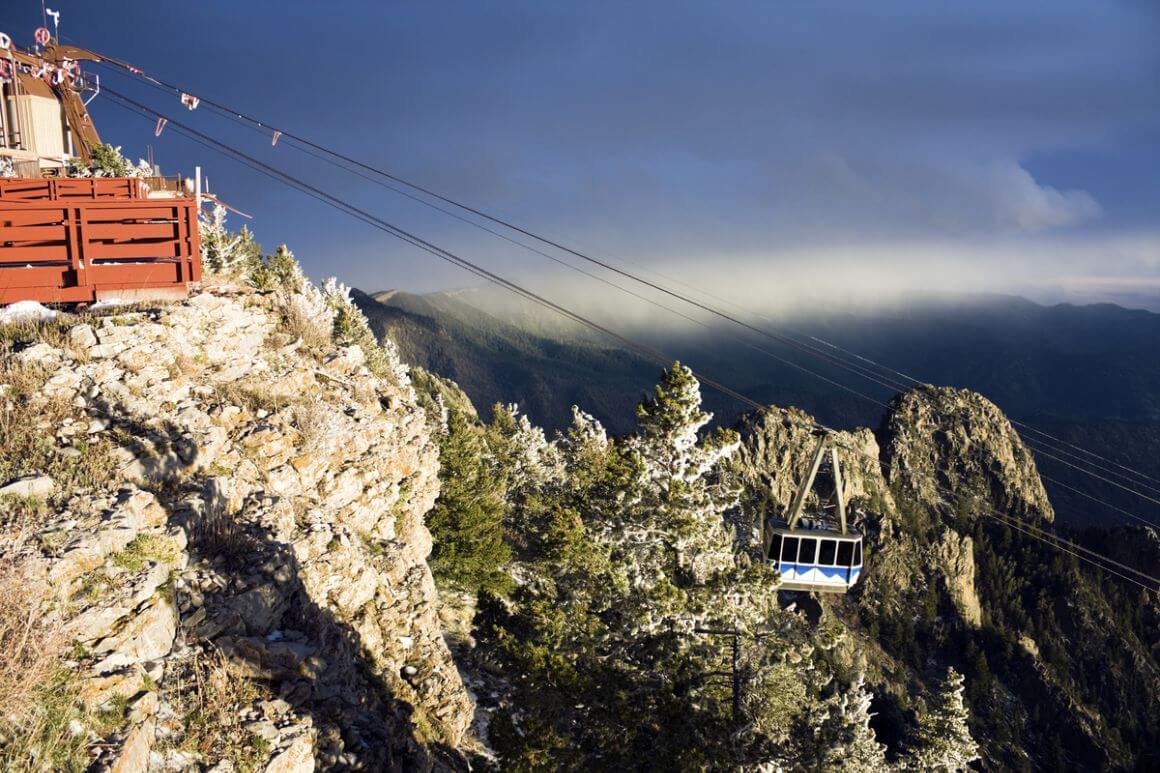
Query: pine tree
[(836, 735), (223, 250), (634, 630), (466, 523), (944, 741), (682, 504), (531, 461)]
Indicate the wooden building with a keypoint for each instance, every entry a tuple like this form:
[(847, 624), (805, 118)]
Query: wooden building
[(78, 240)]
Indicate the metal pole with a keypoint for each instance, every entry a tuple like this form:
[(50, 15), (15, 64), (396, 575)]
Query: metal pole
[(197, 187), (838, 494), (799, 499)]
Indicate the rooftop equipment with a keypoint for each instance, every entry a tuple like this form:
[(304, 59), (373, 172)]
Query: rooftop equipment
[(78, 240)]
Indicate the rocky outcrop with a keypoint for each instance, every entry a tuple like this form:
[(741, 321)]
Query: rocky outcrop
[(953, 448), (953, 557), (777, 446), (265, 518)]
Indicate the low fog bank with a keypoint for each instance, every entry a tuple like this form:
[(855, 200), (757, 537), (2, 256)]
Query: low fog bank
[(790, 287)]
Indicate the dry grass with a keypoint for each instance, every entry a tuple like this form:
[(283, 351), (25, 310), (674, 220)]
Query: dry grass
[(37, 694), (47, 739), (252, 395), (298, 322), (31, 639), (210, 700), (28, 423), (219, 533), (314, 424), (20, 516), (183, 365), (52, 332)]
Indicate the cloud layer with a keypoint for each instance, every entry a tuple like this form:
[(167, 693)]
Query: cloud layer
[(984, 138)]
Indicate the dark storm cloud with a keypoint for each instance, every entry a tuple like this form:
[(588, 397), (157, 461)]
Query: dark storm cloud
[(749, 125), (982, 138)]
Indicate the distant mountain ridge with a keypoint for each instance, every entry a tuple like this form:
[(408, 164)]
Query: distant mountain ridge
[(495, 361), (1089, 375)]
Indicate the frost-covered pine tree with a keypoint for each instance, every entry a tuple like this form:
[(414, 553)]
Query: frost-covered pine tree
[(944, 741), (107, 161), (628, 594), (836, 735), (223, 250), (683, 503), (351, 328), (532, 461)]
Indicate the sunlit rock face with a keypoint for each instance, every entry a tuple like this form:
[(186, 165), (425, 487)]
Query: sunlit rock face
[(949, 447), (259, 543)]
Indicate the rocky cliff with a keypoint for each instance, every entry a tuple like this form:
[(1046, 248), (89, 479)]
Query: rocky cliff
[(240, 570), (946, 586), (954, 447)]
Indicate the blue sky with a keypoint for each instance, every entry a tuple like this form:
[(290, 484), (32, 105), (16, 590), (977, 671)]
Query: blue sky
[(765, 149)]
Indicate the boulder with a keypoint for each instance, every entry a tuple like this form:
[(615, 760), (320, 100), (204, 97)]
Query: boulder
[(133, 756), (298, 757), (147, 635), (29, 486), (82, 337)]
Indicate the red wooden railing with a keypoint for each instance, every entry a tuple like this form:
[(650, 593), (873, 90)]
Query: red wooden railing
[(57, 189), (65, 247)]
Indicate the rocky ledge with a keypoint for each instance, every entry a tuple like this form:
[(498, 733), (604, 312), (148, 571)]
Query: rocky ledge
[(246, 586)]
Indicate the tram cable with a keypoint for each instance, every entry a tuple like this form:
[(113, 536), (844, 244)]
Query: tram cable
[(1105, 503), (887, 383), (139, 107), (880, 379), (661, 359)]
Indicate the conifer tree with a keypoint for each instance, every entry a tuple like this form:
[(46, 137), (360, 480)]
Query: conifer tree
[(634, 630), (944, 741), (466, 523), (836, 735), (682, 503), (223, 250)]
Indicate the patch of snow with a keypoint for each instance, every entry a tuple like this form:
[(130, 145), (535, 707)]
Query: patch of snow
[(25, 311), (107, 303)]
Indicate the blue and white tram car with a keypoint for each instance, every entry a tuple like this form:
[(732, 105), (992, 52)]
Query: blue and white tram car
[(816, 559)]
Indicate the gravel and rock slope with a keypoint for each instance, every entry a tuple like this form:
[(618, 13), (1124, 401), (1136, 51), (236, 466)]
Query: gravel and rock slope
[(240, 578)]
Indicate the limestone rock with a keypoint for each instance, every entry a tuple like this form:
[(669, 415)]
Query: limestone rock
[(134, 753), (147, 635), (954, 558), (82, 336), (266, 509), (296, 758), (260, 608), (30, 486), (777, 447)]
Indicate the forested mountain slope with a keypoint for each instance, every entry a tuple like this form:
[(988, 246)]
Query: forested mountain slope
[(1088, 375), (498, 362), (613, 630)]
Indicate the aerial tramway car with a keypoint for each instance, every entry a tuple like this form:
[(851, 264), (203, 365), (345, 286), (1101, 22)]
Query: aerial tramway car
[(808, 552)]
